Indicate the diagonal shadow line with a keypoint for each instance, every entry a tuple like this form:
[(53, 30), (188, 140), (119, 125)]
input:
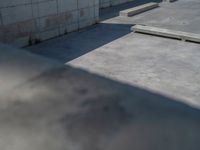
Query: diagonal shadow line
[(69, 47), (65, 104), (85, 105)]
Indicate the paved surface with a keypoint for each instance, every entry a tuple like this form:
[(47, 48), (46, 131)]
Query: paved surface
[(182, 15), (64, 108), (162, 65), (57, 107)]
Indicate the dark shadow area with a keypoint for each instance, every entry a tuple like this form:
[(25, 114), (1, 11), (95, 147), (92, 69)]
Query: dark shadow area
[(111, 12), (71, 46), (80, 105)]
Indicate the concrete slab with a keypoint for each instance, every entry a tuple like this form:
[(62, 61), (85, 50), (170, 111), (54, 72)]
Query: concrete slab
[(185, 36), (138, 9), (71, 109), (169, 1)]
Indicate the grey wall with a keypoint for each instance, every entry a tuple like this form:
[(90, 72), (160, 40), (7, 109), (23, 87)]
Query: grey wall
[(107, 3), (23, 22)]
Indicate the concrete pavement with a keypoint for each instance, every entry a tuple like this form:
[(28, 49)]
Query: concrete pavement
[(161, 65), (67, 108), (134, 91)]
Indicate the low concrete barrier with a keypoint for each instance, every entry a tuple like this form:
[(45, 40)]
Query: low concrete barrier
[(138, 9), (185, 36), (169, 1)]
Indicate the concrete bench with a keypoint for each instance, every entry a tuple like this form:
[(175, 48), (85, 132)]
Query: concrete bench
[(185, 36), (138, 9)]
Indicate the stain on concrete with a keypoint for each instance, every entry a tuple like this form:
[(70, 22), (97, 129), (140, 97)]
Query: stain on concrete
[(82, 12), (56, 20), (11, 32)]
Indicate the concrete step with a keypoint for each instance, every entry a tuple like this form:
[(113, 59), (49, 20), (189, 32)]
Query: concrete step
[(138, 9), (185, 36)]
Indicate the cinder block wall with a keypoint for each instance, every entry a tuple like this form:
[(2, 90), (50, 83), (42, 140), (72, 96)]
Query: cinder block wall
[(24, 22), (108, 3)]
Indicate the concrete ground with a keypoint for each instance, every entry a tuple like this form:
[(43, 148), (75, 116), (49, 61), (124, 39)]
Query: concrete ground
[(57, 107), (110, 49), (181, 15), (141, 92)]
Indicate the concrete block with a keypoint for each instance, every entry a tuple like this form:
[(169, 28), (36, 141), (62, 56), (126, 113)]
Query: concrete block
[(47, 8), (35, 10), (21, 41), (104, 4), (1, 20), (185, 36), (72, 27), (87, 13), (16, 14), (85, 3), (67, 5), (49, 34), (96, 13), (169, 1), (138, 9), (85, 23), (54, 21), (9, 33), (13, 3)]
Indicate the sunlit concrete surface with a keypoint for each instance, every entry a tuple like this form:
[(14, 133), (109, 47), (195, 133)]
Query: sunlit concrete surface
[(110, 49), (139, 9), (174, 34), (181, 15)]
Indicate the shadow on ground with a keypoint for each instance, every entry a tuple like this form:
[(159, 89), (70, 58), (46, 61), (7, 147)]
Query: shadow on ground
[(74, 45), (70, 108)]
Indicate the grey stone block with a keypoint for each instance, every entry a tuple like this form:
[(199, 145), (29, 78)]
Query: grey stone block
[(185, 36), (138, 9), (169, 1)]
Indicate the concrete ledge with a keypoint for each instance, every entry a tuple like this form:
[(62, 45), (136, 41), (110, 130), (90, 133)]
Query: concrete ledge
[(169, 1), (138, 9), (185, 36)]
